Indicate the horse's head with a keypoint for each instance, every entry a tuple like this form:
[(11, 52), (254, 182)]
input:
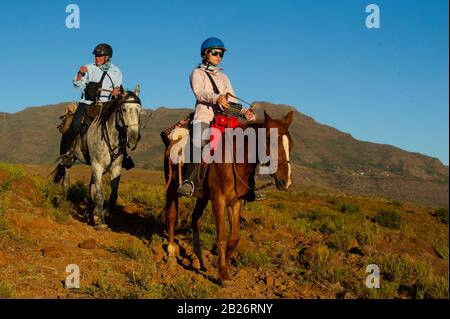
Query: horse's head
[(130, 110), (283, 175)]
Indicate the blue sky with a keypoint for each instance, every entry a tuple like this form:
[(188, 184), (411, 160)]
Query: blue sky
[(387, 85)]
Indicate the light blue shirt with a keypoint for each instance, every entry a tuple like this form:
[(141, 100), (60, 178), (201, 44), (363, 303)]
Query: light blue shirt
[(94, 74)]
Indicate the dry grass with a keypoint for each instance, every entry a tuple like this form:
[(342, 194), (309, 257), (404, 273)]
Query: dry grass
[(333, 222)]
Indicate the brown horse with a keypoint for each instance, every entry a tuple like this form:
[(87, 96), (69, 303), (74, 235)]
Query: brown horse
[(225, 185)]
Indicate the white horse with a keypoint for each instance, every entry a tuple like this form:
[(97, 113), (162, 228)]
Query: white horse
[(102, 147)]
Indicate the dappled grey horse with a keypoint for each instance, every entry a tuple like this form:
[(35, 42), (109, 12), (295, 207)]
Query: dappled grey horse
[(103, 146)]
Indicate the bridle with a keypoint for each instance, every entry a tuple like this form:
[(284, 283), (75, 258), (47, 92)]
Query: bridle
[(121, 127), (260, 164)]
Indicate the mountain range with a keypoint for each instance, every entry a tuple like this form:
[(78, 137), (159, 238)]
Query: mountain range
[(322, 156)]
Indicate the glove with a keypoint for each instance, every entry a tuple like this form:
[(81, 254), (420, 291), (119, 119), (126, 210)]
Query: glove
[(248, 114)]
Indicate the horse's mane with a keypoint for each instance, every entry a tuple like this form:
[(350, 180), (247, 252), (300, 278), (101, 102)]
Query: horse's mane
[(110, 107)]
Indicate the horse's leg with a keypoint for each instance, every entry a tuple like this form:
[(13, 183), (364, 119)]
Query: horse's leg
[(171, 218), (99, 214), (234, 229), (66, 181), (93, 192), (218, 206), (200, 206), (115, 180)]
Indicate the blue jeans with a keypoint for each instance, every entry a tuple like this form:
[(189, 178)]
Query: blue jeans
[(74, 130)]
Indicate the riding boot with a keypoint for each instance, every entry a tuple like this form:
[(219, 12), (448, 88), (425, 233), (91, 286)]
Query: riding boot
[(127, 162), (195, 172), (187, 187), (70, 136), (65, 148)]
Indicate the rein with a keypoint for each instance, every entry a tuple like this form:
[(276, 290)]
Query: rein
[(121, 128), (246, 184)]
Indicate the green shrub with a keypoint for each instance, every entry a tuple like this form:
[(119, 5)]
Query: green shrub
[(6, 291), (3, 219), (133, 249), (279, 206), (58, 215), (442, 251), (14, 172), (366, 236), (186, 289), (442, 215), (253, 259), (77, 192), (396, 204), (349, 208), (411, 277), (389, 219), (101, 288), (437, 288)]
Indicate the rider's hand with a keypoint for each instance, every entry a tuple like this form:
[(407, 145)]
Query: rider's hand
[(115, 92), (83, 69), (181, 123), (222, 102), (249, 115), (81, 72)]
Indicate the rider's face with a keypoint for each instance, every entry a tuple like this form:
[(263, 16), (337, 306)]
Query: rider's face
[(100, 60), (214, 57)]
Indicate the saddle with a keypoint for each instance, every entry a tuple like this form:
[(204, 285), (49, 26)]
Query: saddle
[(67, 117), (90, 113)]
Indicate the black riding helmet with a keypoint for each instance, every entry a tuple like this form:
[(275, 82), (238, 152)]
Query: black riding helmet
[(103, 49)]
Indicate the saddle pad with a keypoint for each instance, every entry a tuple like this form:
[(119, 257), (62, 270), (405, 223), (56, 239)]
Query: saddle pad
[(67, 117), (180, 140), (221, 123), (92, 111)]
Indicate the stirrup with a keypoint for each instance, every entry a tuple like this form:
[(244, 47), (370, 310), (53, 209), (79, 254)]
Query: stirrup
[(66, 159), (128, 163), (180, 190)]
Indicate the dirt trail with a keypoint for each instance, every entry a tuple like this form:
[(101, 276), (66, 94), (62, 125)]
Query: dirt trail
[(129, 259)]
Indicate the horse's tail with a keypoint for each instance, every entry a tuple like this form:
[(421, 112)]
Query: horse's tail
[(58, 173)]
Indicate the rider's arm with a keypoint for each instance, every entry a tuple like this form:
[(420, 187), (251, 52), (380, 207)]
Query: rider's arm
[(229, 89), (118, 78), (198, 85), (246, 112), (81, 80)]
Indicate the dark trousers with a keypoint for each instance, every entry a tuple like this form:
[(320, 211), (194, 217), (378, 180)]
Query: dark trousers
[(74, 130)]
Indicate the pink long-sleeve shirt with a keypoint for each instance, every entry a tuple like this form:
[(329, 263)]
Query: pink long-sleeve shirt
[(206, 98)]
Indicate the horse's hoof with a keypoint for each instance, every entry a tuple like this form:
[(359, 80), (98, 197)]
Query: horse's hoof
[(107, 213), (227, 283), (171, 262), (101, 227), (215, 262), (196, 264)]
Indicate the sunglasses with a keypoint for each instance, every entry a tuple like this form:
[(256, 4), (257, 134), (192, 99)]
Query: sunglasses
[(217, 53)]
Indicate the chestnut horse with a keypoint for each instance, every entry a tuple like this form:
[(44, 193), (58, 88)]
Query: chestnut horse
[(225, 184)]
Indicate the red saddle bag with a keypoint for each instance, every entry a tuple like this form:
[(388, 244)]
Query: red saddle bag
[(221, 122)]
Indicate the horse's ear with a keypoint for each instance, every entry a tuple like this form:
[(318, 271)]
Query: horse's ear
[(267, 117), (137, 90), (288, 118)]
